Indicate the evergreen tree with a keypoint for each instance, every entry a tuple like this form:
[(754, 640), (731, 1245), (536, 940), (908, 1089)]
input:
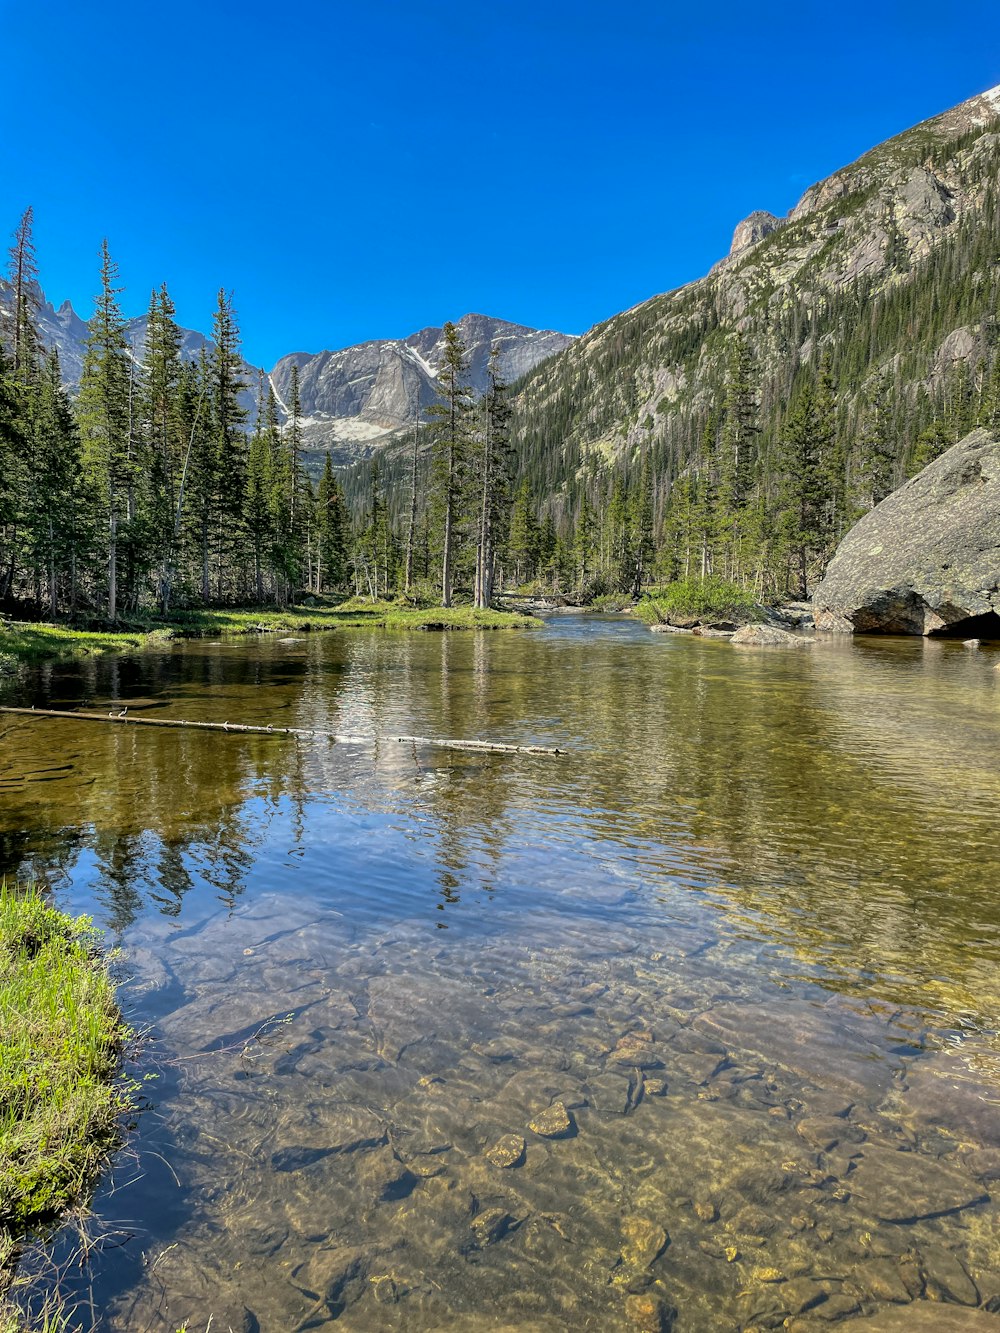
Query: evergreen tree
[(258, 514), (411, 530), (803, 498), (493, 466), (163, 440), (331, 530), (584, 542), (228, 416), (53, 529), (738, 447), (450, 450), (104, 414), (522, 542), (875, 453), (640, 528), (23, 275), (14, 449)]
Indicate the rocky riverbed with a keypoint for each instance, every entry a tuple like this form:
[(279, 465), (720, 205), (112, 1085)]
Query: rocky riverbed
[(588, 1147)]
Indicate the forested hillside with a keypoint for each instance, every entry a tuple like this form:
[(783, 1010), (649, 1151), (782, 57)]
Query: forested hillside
[(739, 425)]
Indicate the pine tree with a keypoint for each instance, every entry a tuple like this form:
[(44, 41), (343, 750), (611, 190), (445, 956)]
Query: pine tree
[(411, 529), (450, 450), (640, 528), (52, 519), (164, 441), (875, 451), (23, 274), (331, 562), (737, 461), (618, 556), (228, 416), (202, 473), (584, 544), (704, 496), (493, 466), (803, 492), (258, 511), (293, 445), (14, 450), (104, 417), (522, 541)]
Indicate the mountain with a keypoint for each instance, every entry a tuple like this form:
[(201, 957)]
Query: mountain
[(354, 397), (887, 268), (351, 398)]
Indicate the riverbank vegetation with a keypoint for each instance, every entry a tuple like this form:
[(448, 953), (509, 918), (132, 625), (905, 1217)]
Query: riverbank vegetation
[(61, 1041), (29, 642), (699, 599)]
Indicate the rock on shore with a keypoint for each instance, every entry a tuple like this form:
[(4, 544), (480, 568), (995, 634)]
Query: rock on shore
[(927, 559)]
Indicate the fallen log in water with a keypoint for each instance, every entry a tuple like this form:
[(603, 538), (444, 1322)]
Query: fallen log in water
[(130, 719)]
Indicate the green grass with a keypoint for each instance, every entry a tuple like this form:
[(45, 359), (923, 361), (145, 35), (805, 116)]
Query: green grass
[(61, 1041), (355, 613), (708, 599), (22, 642)]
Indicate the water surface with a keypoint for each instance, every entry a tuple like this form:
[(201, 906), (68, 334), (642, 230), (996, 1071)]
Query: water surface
[(743, 938)]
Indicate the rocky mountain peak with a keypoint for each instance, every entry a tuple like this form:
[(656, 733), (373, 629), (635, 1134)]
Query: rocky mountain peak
[(354, 397), (753, 229)]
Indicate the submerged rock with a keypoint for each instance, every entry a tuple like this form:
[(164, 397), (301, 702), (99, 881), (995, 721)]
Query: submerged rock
[(928, 1317), (905, 1186), (649, 1313), (947, 1279), (927, 559), (766, 636), (643, 1241), (490, 1226), (553, 1123), (506, 1152), (637, 1050)]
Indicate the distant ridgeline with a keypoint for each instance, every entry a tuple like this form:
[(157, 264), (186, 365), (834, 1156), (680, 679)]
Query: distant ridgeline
[(734, 428)]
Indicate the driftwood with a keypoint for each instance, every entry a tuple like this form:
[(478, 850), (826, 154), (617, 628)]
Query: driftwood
[(129, 719)]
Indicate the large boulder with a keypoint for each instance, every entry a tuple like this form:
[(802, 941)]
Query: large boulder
[(927, 559)]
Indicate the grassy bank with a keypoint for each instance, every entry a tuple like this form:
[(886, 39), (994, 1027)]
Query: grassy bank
[(61, 1039), (24, 642)]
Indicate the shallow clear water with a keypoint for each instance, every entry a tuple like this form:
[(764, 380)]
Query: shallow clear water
[(745, 934)]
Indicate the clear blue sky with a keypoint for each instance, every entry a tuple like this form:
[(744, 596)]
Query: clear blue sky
[(360, 170)]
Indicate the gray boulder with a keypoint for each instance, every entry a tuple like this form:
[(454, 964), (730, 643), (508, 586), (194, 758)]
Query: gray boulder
[(927, 559)]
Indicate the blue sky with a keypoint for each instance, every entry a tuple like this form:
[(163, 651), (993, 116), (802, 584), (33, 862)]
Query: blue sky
[(356, 171)]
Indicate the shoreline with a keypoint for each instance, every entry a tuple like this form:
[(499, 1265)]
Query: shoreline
[(61, 1092), (30, 641)]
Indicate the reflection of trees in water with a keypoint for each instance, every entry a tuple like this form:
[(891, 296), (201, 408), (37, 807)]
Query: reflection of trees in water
[(811, 789), (161, 810)]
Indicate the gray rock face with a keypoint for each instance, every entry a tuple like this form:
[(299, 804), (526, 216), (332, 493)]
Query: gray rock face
[(927, 559), (753, 229)]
